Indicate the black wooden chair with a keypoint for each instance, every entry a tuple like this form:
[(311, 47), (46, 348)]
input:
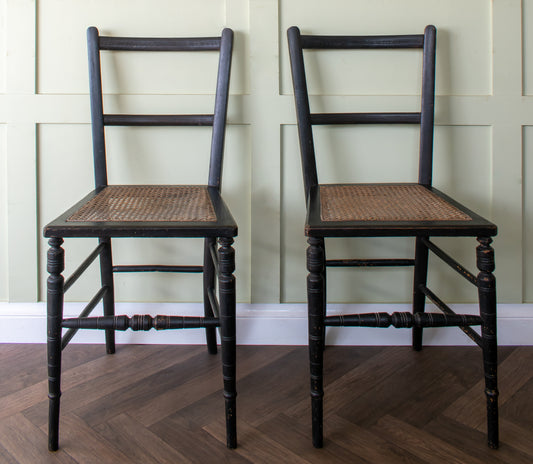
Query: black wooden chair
[(388, 210), (148, 211)]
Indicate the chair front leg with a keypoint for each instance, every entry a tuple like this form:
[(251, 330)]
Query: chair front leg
[(324, 292), (226, 284), (420, 278), (54, 302), (316, 311), (209, 285), (486, 283), (107, 279)]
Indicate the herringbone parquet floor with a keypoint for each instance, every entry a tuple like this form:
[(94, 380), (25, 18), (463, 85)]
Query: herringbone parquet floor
[(163, 404)]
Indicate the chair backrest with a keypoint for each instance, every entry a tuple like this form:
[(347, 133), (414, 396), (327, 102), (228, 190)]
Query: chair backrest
[(223, 44), (306, 119)]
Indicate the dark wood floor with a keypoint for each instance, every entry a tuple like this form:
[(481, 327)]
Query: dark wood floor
[(163, 404)]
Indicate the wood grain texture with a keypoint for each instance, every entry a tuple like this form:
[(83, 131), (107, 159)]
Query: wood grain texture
[(383, 404)]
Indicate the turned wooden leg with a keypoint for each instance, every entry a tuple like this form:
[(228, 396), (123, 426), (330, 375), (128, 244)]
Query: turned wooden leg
[(226, 283), (487, 306), (106, 274), (55, 266), (324, 292), (420, 278), (316, 311), (209, 284)]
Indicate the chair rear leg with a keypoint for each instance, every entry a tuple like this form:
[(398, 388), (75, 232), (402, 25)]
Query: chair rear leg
[(420, 278), (316, 311), (487, 306), (209, 284), (54, 302), (227, 297), (106, 275)]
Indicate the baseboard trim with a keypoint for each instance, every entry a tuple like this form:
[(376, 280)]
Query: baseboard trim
[(257, 324)]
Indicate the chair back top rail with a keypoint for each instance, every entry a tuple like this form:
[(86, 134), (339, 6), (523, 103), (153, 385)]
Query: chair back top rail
[(217, 120), (344, 42), (159, 44)]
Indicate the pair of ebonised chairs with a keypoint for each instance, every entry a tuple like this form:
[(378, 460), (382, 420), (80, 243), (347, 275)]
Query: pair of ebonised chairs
[(333, 210)]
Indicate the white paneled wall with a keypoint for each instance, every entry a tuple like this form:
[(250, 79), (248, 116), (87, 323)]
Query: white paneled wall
[(483, 135)]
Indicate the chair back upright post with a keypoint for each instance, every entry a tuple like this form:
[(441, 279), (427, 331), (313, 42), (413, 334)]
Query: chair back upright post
[(217, 120), (427, 110), (303, 113), (221, 109), (97, 108)]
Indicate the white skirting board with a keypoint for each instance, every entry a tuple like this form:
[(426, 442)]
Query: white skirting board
[(270, 324)]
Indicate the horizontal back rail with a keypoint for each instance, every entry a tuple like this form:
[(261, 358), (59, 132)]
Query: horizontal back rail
[(369, 262), (157, 268), (159, 44), (364, 118), (158, 119), (340, 42)]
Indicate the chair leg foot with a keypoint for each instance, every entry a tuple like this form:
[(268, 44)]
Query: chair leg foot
[(317, 422), (417, 340), (53, 424), (231, 422), (110, 342), (211, 339), (492, 419), (493, 444)]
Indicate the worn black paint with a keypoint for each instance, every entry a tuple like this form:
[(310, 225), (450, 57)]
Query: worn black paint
[(318, 230), (218, 312)]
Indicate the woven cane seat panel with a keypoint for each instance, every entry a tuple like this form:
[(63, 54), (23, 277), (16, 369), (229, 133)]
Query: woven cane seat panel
[(385, 203), (148, 203)]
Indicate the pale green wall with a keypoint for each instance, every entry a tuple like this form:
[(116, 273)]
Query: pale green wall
[(484, 138)]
